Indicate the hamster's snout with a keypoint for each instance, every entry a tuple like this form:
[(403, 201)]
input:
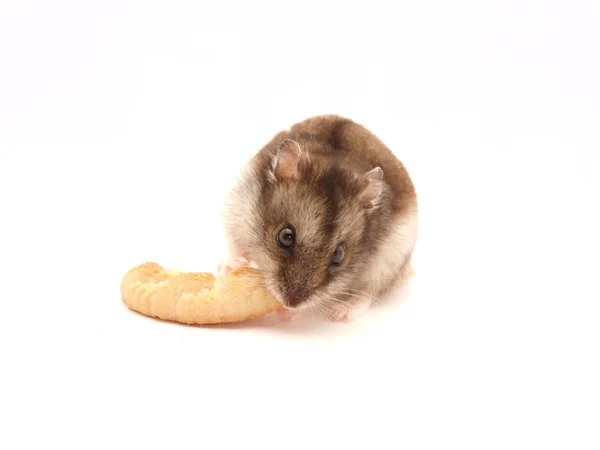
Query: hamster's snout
[(295, 295)]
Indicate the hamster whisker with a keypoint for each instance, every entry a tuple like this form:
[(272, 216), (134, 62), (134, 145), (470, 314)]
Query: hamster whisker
[(355, 293), (326, 299), (323, 305), (363, 294)]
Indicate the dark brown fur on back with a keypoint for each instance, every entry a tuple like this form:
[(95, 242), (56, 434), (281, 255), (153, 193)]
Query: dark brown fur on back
[(332, 140)]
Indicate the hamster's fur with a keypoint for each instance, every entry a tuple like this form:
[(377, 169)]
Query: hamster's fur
[(325, 184)]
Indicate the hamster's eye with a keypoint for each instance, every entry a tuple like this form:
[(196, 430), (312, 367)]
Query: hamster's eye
[(338, 255), (286, 237)]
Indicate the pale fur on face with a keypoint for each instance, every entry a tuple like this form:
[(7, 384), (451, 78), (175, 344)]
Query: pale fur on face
[(239, 216)]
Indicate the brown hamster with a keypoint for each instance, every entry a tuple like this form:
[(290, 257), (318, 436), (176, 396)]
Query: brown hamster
[(327, 213)]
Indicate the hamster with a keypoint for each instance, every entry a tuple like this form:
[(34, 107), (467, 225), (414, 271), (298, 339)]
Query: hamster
[(328, 215)]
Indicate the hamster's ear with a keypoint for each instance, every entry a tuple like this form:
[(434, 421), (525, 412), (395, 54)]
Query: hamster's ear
[(370, 196), (286, 160)]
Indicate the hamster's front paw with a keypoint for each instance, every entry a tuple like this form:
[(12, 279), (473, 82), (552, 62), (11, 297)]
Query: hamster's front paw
[(228, 265), (349, 312)]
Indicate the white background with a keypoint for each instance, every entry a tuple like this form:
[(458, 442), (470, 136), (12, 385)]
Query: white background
[(122, 125)]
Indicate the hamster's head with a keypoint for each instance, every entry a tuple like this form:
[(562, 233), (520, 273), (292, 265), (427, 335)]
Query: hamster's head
[(311, 226)]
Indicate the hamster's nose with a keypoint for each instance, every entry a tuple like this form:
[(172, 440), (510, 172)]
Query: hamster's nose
[(295, 296)]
